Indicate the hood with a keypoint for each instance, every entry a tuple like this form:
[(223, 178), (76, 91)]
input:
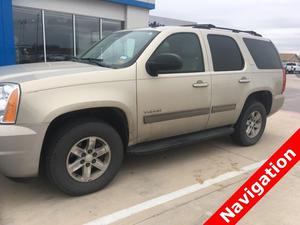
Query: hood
[(37, 71)]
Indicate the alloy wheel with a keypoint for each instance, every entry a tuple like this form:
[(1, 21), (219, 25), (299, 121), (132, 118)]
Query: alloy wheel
[(88, 159), (253, 124)]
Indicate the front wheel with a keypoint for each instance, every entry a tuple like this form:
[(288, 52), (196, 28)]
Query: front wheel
[(251, 124), (84, 157)]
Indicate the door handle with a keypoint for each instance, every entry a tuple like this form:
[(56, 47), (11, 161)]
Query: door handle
[(200, 84), (244, 80)]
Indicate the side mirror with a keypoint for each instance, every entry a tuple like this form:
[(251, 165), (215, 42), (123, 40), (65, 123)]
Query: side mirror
[(163, 63)]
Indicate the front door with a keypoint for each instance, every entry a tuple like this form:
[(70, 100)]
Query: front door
[(174, 102)]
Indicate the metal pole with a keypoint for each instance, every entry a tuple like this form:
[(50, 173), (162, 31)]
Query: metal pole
[(74, 35), (44, 36), (101, 28)]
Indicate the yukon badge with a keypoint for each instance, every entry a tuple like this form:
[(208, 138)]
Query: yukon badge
[(152, 111)]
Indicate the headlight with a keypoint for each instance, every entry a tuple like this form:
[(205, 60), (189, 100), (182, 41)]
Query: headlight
[(9, 102)]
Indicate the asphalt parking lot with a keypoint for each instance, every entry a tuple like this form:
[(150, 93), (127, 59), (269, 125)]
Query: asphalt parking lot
[(140, 192)]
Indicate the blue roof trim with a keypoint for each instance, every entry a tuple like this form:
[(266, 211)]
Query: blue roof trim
[(136, 3), (7, 45)]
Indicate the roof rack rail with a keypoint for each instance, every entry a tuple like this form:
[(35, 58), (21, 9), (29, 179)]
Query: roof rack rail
[(211, 26)]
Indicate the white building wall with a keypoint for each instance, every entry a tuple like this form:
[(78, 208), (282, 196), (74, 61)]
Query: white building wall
[(136, 17), (148, 1), (169, 21), (96, 8)]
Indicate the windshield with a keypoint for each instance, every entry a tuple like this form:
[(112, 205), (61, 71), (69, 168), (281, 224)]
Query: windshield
[(119, 49)]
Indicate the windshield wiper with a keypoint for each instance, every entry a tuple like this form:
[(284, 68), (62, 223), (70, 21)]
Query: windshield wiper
[(92, 59), (96, 61)]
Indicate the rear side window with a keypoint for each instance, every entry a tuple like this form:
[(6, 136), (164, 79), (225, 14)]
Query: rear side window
[(225, 52), (187, 46), (263, 53)]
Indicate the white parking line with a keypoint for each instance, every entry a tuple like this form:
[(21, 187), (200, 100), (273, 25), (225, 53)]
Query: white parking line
[(122, 214)]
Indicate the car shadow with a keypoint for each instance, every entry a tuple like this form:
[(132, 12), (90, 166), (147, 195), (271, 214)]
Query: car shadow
[(20, 188)]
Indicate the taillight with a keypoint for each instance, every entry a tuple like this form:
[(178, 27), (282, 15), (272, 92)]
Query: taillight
[(283, 81)]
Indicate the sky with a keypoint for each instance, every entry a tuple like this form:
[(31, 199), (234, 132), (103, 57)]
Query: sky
[(278, 20)]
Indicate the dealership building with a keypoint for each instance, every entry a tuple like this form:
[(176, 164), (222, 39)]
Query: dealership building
[(54, 30)]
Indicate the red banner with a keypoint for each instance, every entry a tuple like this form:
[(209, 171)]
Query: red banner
[(259, 184)]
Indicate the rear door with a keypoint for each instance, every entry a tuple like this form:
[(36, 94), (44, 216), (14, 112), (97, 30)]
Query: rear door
[(231, 78)]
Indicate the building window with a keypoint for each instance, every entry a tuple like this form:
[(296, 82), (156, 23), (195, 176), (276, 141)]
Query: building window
[(110, 26), (225, 53), (87, 32), (59, 36), (28, 34)]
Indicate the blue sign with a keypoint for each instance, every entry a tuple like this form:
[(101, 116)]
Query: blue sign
[(7, 45), (136, 3)]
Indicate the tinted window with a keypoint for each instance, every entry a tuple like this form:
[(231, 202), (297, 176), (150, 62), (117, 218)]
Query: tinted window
[(87, 32), (226, 55), (28, 33), (291, 64), (110, 26), (59, 36), (187, 46), (263, 53)]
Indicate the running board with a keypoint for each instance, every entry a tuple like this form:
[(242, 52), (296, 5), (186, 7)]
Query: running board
[(186, 139)]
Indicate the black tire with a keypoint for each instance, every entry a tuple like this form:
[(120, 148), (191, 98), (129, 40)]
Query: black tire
[(240, 136), (58, 150)]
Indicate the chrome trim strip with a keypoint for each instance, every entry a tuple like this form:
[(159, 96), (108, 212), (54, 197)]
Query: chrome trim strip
[(175, 115), (223, 108)]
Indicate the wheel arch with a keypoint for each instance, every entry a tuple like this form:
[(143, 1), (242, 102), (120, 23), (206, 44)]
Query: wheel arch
[(263, 96), (114, 116)]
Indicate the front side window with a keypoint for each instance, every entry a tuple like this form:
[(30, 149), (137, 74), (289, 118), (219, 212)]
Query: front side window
[(119, 49), (187, 47), (59, 36), (225, 53)]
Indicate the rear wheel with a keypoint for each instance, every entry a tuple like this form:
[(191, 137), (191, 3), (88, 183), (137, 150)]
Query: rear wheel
[(84, 157), (251, 124)]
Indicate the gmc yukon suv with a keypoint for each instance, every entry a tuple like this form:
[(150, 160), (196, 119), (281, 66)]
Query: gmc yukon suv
[(135, 91)]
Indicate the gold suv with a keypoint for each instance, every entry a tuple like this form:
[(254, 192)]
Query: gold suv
[(135, 91)]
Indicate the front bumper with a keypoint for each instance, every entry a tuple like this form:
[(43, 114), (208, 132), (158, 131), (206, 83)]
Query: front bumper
[(20, 149)]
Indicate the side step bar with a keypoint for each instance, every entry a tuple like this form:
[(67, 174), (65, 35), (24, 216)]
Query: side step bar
[(186, 139)]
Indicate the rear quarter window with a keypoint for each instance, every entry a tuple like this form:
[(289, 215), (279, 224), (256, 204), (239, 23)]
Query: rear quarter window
[(263, 53)]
